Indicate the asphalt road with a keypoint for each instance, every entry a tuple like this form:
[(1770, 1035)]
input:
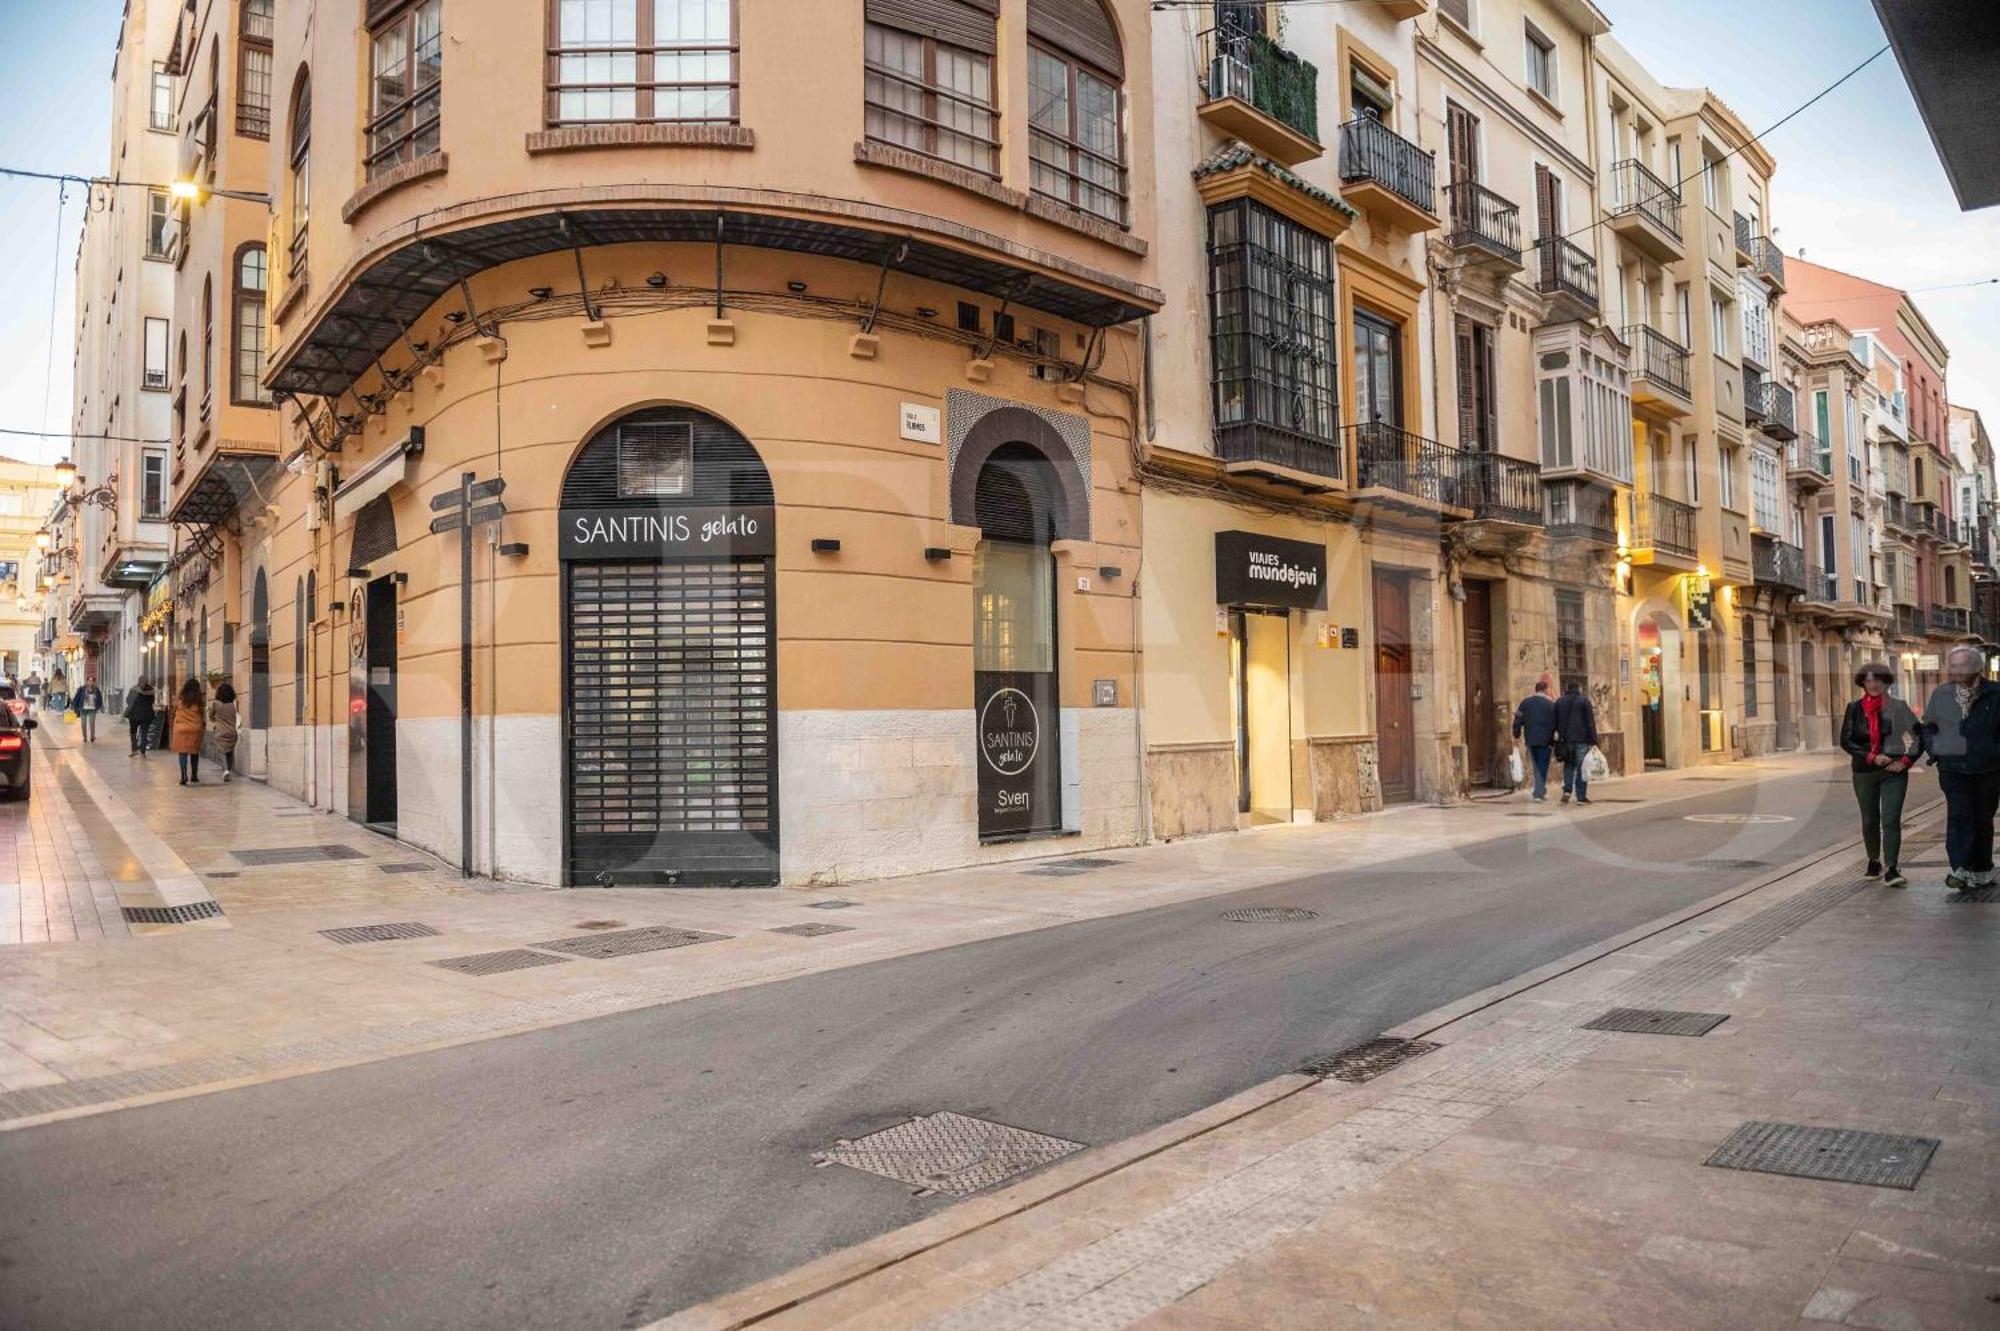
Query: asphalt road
[(605, 1173)]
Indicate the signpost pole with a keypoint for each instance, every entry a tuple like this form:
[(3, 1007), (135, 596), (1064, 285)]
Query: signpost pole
[(465, 674)]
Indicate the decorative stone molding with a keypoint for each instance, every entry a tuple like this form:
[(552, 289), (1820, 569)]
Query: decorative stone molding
[(1084, 224), (916, 164), (581, 138), (421, 168)]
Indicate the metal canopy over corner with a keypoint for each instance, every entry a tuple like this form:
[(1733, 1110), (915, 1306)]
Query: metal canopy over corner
[(220, 489)]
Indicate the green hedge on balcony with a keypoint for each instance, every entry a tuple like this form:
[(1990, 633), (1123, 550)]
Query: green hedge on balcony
[(1285, 87)]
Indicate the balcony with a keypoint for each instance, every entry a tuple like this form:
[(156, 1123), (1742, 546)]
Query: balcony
[(1582, 511), (1259, 92), (1769, 404), (1820, 586), (1809, 462), (1646, 210), (1663, 530), (1403, 469), (1387, 175), (1895, 516), (1950, 619), (1769, 263), (1910, 621), (1775, 563), (1659, 369), (1285, 456), (1568, 274), (1479, 219), (1746, 252), (1500, 489)]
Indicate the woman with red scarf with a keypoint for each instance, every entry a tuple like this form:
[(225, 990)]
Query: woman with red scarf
[(1882, 735)]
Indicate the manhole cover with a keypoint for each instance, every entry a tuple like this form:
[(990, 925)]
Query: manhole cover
[(813, 930), (297, 854), (492, 963), (1269, 915), (1978, 896), (627, 942), (830, 905), (402, 868), (948, 1153), (1842, 1155), (194, 910), (1369, 1059), (1657, 1021), (1729, 864), (1739, 818), (378, 933)]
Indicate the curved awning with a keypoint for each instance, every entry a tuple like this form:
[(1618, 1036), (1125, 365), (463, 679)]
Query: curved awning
[(392, 292)]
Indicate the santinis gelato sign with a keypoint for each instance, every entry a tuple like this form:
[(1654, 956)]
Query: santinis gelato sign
[(1257, 570), (666, 533)]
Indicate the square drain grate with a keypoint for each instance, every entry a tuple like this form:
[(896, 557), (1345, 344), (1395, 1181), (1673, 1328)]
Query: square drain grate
[(814, 930), (1978, 896), (297, 854), (1270, 915), (402, 868), (1369, 1059), (830, 905), (378, 933), (948, 1153), (628, 942), (194, 910), (492, 963), (1842, 1155), (1656, 1021)]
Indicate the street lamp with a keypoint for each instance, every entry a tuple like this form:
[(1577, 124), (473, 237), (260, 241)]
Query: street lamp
[(65, 473), (42, 540), (193, 191)]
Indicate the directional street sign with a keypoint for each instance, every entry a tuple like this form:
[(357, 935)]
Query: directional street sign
[(460, 510)]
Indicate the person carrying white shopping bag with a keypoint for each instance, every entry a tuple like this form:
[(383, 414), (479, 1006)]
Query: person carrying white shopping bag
[(1576, 737)]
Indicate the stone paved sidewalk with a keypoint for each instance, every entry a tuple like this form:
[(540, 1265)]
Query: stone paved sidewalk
[(117, 1013), (1529, 1173)]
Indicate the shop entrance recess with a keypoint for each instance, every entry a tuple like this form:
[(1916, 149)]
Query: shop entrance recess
[(669, 657), (1261, 696)]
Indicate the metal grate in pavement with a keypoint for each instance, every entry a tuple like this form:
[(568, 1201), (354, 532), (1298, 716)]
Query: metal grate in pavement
[(297, 854), (402, 868), (1706, 778), (1369, 1059), (378, 933), (830, 905), (628, 942), (194, 910), (1069, 868), (949, 1153), (221, 873), (1978, 896), (813, 930), (1841, 1155), (1269, 915), (1526, 814), (492, 963), (1656, 1021), (1729, 864)]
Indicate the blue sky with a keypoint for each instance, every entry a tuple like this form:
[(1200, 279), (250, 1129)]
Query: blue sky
[(1858, 185)]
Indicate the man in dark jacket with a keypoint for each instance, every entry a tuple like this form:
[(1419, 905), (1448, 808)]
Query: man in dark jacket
[(1535, 726), (1576, 735), (1962, 737)]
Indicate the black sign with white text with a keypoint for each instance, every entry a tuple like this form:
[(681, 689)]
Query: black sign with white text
[(1016, 714), (668, 533), (1253, 569)]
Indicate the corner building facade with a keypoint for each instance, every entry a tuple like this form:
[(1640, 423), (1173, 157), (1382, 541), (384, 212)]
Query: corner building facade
[(795, 452)]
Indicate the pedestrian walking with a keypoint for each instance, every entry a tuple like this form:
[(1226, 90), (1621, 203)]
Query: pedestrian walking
[(1962, 737), (187, 728), (89, 702), (1535, 728), (32, 690), (59, 692), (1576, 736), (222, 726), (139, 715), (1884, 738)]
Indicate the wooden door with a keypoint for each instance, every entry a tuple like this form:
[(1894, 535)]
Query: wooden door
[(1482, 718), (1462, 139), (1548, 203), (1395, 718), (1378, 369)]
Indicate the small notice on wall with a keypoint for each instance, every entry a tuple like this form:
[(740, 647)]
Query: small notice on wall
[(925, 425)]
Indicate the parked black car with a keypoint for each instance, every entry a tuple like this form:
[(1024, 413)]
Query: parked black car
[(14, 754)]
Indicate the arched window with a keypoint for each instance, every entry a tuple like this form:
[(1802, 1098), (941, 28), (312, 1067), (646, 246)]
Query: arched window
[(247, 319), (1076, 69), (928, 83), (299, 654), (301, 175), (260, 654), (180, 390), (207, 342)]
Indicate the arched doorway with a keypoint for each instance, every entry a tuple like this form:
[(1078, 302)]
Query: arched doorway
[(1657, 673), (670, 703)]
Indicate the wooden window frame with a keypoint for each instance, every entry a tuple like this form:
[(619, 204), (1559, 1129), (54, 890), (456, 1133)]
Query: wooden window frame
[(1068, 142), (932, 95), (1541, 41), (248, 118), (154, 121), (152, 512), (381, 158), (645, 52), (298, 155), (239, 298)]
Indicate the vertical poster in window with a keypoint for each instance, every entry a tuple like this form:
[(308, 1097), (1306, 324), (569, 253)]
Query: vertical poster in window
[(1017, 733)]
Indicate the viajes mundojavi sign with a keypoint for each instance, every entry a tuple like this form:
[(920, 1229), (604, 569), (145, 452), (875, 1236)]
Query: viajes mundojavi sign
[(667, 533), (1259, 570)]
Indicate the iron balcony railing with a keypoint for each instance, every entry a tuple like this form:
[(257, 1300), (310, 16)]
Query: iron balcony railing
[(1768, 259), (1949, 618), (1910, 621), (1776, 563), (1663, 524), (1252, 67), (1371, 151), (1770, 403), (1821, 585), (1658, 358), (1272, 444), (1744, 237), (1581, 511), (1566, 269), (1389, 458), (1481, 219), (1753, 397), (1501, 489), (1809, 454), (1894, 514), (1635, 189)]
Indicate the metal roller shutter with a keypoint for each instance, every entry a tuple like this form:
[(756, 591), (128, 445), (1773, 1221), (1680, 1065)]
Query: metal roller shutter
[(1080, 28), (966, 23), (672, 718)]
